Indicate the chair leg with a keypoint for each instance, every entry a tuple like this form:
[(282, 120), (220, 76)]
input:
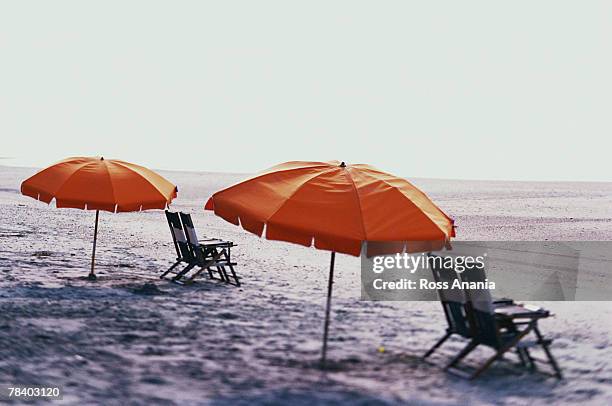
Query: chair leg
[(462, 354), (488, 363), (549, 355), (228, 259), (170, 269), (179, 275), (215, 253), (215, 269), (195, 274), (438, 344), (210, 273), (530, 360), (231, 267), (553, 362), (523, 358), (203, 267), (501, 351), (225, 277), (223, 274)]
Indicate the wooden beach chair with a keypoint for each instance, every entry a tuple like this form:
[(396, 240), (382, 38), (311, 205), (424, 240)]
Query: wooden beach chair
[(183, 253), (211, 254), (502, 328), (453, 303)]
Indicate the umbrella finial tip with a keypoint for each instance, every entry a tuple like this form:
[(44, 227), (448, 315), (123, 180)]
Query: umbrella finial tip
[(343, 164), (101, 158)]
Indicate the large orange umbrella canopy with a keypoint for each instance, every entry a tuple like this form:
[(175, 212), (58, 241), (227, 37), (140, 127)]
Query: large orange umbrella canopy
[(95, 183), (335, 205)]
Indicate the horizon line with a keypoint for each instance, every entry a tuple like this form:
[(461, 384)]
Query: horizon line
[(405, 177)]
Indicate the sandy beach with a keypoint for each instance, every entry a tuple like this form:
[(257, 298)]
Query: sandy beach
[(130, 335)]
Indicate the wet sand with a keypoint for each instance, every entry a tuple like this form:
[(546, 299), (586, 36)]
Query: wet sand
[(130, 336)]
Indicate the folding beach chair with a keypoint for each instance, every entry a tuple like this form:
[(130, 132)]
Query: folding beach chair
[(211, 254), (183, 253), (453, 303), (502, 328)]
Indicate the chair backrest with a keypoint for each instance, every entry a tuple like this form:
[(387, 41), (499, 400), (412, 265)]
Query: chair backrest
[(188, 227), (178, 236), (453, 299), (480, 305), (192, 238)]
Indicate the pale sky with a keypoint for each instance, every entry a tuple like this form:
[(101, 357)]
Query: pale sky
[(458, 89)]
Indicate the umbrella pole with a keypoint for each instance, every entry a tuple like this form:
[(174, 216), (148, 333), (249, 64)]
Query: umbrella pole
[(328, 307), (92, 275)]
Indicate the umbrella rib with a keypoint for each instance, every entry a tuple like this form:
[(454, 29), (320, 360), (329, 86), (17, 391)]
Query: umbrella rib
[(133, 170), (73, 174), (67, 160), (261, 175), (414, 204), (110, 181), (297, 190), (363, 228), (54, 194), (376, 170)]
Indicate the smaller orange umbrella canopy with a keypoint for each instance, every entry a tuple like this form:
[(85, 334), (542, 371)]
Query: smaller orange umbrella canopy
[(95, 183), (92, 183)]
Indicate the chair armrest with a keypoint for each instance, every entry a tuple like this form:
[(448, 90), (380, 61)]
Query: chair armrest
[(216, 242), (520, 312), (503, 300)]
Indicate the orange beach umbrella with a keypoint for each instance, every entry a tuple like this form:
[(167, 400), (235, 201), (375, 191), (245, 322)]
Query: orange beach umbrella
[(93, 183), (333, 206)]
